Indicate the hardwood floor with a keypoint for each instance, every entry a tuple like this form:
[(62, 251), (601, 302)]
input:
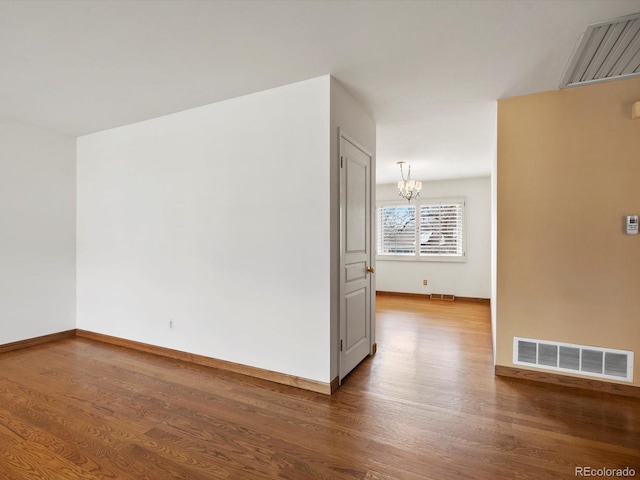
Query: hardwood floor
[(427, 406)]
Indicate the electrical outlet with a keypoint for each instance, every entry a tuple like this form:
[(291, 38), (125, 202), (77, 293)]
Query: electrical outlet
[(424, 282), (171, 324)]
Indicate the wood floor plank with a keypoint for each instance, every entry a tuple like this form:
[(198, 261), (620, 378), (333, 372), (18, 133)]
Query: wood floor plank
[(426, 406)]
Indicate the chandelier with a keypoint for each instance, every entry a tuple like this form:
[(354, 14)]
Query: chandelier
[(407, 187)]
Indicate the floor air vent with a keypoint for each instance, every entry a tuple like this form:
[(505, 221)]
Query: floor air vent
[(443, 296), (567, 357)]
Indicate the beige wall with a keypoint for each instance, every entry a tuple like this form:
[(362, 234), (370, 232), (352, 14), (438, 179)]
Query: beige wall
[(568, 172)]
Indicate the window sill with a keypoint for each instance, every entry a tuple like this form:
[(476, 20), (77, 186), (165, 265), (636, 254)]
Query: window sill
[(413, 258)]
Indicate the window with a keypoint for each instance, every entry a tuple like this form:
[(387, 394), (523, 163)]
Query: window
[(397, 230), (427, 230)]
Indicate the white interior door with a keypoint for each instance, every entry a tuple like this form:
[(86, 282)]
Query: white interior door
[(356, 269)]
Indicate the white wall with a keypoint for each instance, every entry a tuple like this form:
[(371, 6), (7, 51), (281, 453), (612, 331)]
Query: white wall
[(37, 232), (217, 218), (469, 279), (348, 116)]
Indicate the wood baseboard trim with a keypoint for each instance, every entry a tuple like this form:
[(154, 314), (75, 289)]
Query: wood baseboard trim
[(567, 381), (483, 301), (281, 378), (427, 296), (31, 342), (423, 296), (335, 383)]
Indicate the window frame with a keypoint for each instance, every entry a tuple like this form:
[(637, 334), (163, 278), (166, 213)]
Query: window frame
[(416, 256)]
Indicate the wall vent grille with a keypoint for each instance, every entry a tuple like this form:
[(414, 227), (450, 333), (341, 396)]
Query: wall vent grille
[(607, 51), (567, 357)]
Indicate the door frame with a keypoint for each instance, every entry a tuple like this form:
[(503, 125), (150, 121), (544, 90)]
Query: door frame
[(372, 234)]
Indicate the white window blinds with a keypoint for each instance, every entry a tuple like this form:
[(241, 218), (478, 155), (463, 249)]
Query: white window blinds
[(396, 230), (441, 228), (428, 229)]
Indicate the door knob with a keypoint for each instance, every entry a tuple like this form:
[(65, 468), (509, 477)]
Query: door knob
[(371, 270)]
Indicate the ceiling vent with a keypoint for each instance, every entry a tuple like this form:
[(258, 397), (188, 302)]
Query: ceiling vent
[(607, 51)]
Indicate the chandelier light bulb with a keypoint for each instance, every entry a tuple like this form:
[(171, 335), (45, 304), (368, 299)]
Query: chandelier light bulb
[(408, 188)]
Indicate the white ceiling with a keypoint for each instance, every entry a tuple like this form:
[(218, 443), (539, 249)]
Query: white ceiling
[(429, 72)]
